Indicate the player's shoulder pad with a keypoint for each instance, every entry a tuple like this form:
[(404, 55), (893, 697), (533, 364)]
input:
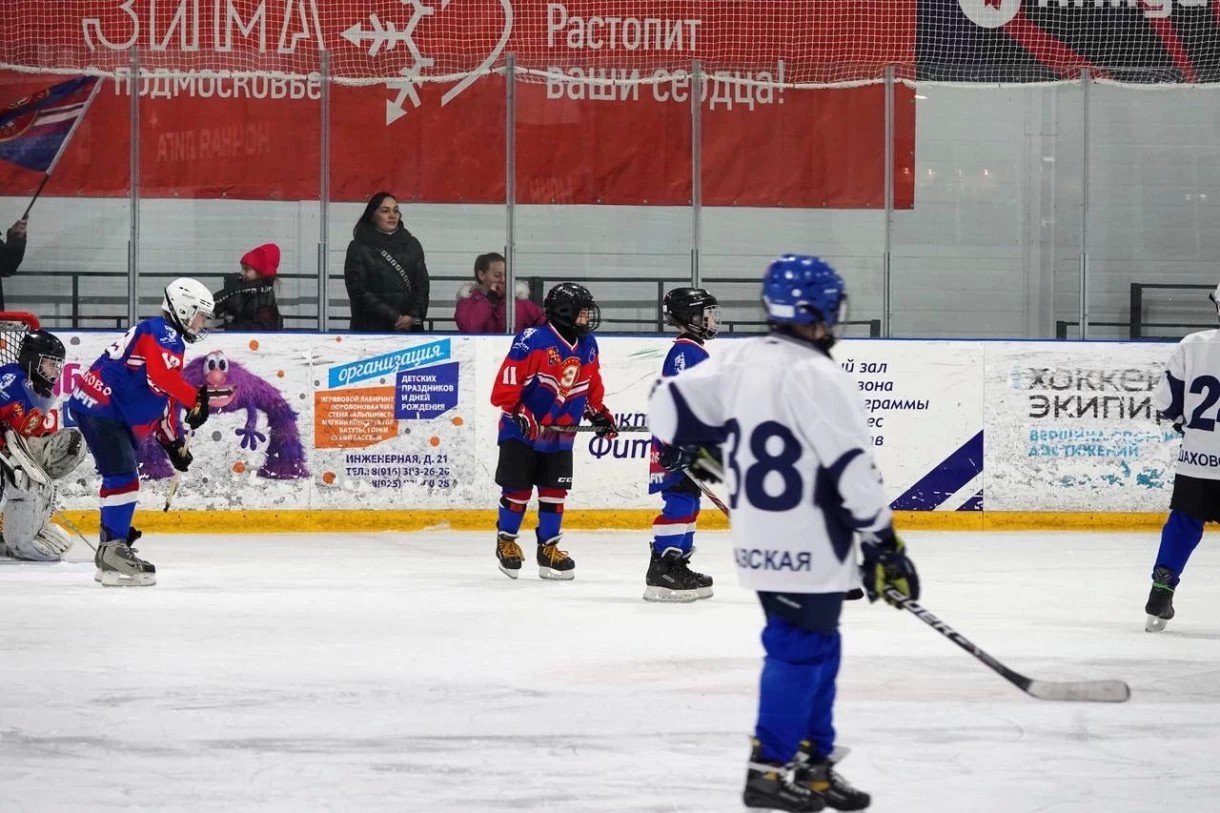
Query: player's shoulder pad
[(162, 332), (12, 382), (1201, 337)]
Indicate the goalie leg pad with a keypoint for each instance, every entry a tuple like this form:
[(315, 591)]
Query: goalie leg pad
[(27, 514), (59, 454)]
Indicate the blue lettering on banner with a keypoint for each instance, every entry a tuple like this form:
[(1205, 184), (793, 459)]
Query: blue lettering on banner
[(388, 363), (425, 394), (771, 559)]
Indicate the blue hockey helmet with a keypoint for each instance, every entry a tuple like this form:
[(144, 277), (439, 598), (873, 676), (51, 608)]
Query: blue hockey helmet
[(802, 290)]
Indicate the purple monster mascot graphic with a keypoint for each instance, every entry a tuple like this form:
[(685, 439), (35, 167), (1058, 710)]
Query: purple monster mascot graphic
[(233, 388)]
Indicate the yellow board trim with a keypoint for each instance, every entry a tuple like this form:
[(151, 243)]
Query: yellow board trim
[(637, 519)]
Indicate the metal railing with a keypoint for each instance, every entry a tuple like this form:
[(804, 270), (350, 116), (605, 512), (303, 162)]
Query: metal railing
[(1136, 326), (109, 311)]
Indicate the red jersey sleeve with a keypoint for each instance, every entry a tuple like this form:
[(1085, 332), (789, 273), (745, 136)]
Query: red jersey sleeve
[(164, 370)]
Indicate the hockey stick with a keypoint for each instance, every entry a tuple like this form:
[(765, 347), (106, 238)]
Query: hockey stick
[(59, 515), (707, 492), (177, 478), (1079, 691), (588, 427)]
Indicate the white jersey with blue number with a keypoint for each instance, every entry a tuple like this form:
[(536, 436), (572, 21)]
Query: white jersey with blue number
[(799, 472), (1190, 393)]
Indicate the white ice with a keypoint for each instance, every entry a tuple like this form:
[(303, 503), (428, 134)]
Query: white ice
[(403, 672)]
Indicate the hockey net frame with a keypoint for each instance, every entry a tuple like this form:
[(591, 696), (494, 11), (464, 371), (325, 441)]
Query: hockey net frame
[(14, 325)]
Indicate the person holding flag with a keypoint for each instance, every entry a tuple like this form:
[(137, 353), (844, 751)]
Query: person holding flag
[(34, 133)]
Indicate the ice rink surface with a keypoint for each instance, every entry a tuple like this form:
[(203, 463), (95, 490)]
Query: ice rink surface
[(403, 672)]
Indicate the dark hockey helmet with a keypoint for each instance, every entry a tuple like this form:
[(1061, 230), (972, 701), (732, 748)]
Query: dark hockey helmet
[(564, 303), (694, 311), (42, 357)]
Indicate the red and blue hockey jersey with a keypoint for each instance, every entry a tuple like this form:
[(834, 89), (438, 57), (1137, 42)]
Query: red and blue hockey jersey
[(684, 353), (138, 381), (21, 409), (552, 378)]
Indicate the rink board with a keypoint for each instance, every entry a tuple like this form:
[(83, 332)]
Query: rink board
[(384, 432)]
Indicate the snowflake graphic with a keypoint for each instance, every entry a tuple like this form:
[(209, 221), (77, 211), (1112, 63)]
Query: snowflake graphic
[(386, 36)]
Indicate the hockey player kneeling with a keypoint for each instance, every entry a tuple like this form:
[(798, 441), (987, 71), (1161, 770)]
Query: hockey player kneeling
[(33, 458)]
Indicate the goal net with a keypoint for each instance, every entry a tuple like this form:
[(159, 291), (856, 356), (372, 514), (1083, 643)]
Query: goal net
[(811, 42), (13, 327)]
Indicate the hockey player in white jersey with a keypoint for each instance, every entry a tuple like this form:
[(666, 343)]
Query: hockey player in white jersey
[(801, 483), (1187, 395)]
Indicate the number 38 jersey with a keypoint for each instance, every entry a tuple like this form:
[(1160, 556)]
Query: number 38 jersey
[(1190, 393), (799, 474)]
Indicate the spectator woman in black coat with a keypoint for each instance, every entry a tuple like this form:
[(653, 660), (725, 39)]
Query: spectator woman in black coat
[(386, 278)]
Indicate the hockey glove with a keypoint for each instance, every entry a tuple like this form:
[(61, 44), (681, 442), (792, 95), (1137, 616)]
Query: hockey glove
[(603, 423), (527, 424), (180, 457), (675, 458), (886, 565), (196, 415)]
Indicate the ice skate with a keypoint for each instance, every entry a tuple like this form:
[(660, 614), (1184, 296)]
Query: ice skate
[(1160, 601), (510, 555), (772, 786), (819, 775), (118, 565), (668, 579), (703, 581), (554, 563)]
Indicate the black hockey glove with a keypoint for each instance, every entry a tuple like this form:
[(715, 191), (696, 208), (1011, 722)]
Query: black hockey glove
[(179, 456), (675, 458), (198, 414), (603, 422), (886, 566)]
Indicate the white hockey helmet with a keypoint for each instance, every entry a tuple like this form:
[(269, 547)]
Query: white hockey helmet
[(190, 307), (1214, 296)]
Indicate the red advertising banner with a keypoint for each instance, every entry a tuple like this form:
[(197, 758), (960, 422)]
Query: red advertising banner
[(230, 96)]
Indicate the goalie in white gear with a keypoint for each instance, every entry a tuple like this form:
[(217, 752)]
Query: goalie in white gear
[(33, 458)]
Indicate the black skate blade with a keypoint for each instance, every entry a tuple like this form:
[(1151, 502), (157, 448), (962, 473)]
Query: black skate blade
[(1080, 691)]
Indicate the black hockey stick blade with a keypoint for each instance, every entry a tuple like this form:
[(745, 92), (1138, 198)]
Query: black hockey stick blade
[(1072, 691)]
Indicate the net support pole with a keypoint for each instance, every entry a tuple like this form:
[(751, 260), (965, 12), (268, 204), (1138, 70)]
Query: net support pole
[(510, 193), (133, 238), (1085, 82), (324, 196), (886, 256), (696, 172)]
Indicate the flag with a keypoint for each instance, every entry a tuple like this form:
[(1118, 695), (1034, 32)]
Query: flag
[(35, 130)]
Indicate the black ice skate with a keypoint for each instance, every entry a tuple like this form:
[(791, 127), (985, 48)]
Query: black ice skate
[(118, 565), (510, 554), (702, 579), (818, 775), (1160, 600), (554, 563), (772, 786), (668, 578)]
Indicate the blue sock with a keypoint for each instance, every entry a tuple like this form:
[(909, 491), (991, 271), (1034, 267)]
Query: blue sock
[(672, 529), (550, 520), (512, 511), (796, 691), (119, 493), (1179, 538)]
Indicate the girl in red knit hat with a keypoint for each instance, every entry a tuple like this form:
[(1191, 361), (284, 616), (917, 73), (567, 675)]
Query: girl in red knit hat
[(248, 299)]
